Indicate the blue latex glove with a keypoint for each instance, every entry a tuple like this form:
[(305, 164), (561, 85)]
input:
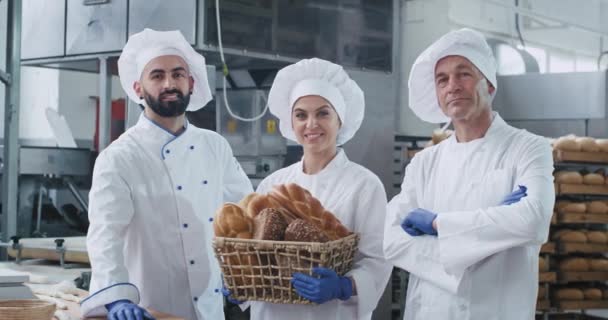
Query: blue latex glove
[(229, 297), (327, 287), (515, 196), (419, 222), (127, 310)]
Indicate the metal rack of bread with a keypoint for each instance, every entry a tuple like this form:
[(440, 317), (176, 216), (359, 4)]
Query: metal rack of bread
[(573, 269), (261, 241)]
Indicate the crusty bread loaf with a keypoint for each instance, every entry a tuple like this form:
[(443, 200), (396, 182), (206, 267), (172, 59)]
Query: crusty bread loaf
[(567, 143), (245, 201), (592, 294), (569, 294), (231, 222), (594, 179), (574, 264), (303, 231), (587, 144), (571, 207), (542, 264), (597, 207), (570, 236), (598, 264), (598, 237), (302, 204), (570, 177), (269, 224), (602, 144)]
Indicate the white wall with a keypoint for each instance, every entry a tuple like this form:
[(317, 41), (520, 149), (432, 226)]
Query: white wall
[(39, 90)]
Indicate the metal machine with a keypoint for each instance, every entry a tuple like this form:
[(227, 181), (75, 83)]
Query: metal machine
[(258, 145)]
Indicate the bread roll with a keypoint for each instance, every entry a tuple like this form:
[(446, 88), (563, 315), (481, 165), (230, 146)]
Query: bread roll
[(543, 266), (567, 143), (569, 294), (592, 294), (598, 237), (570, 236), (303, 231), (588, 144), (594, 179), (269, 224), (571, 177), (574, 264), (602, 144), (597, 207), (571, 207), (598, 264), (231, 222)]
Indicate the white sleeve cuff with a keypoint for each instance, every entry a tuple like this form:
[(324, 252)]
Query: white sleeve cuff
[(95, 304)]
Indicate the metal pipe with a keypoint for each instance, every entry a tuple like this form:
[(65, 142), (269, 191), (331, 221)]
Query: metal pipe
[(532, 14), (39, 209), (105, 104), (10, 158), (81, 200)]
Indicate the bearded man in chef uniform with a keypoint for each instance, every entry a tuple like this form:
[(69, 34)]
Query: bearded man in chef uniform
[(473, 210), (155, 191)]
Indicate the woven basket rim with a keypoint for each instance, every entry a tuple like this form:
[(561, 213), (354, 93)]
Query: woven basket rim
[(328, 243)]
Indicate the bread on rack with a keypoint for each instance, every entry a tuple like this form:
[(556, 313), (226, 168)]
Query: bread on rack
[(570, 177), (597, 207), (594, 179), (574, 264), (600, 264), (592, 294), (543, 266), (569, 294), (567, 143), (566, 235), (598, 237), (571, 207), (602, 144), (588, 144)]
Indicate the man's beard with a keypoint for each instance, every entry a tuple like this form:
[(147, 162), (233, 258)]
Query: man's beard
[(168, 109)]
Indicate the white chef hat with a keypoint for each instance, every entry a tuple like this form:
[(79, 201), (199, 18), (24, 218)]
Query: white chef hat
[(464, 42), (149, 44), (320, 78)]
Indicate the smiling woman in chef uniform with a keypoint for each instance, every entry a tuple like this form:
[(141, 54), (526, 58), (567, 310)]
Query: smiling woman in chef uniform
[(321, 108)]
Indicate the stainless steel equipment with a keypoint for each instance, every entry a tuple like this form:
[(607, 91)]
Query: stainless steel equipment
[(258, 146)]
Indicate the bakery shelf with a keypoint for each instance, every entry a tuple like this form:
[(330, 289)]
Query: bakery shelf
[(581, 189), (570, 217), (571, 247), (581, 304), (580, 157), (568, 276), (548, 276), (544, 304)]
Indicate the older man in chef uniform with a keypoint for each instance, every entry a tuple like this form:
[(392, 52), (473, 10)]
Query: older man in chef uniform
[(474, 209)]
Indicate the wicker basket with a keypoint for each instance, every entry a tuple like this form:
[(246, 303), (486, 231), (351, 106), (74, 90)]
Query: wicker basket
[(26, 310), (261, 270)]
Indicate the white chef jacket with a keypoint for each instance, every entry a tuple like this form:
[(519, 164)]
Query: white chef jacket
[(484, 263), (151, 209), (355, 196)]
